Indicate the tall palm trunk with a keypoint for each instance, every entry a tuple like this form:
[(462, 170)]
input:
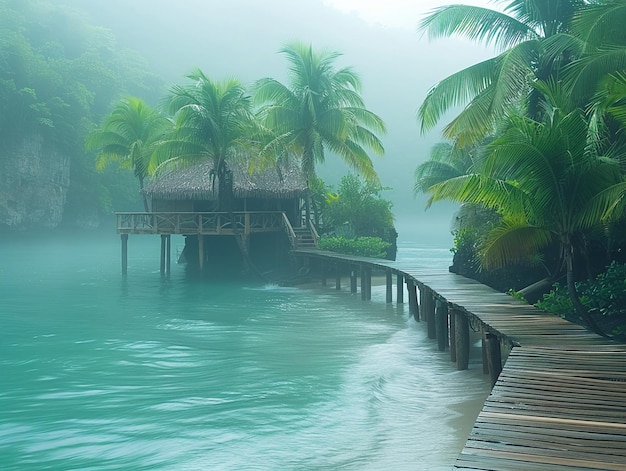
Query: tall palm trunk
[(573, 293), (143, 195), (225, 202)]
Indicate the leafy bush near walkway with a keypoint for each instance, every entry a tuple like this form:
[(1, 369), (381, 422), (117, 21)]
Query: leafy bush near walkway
[(604, 297), (373, 247)]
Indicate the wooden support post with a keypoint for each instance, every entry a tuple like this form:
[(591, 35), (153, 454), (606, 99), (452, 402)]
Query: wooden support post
[(494, 356), (428, 305), (353, 281), (368, 271), (168, 255), (363, 282), (399, 288), (483, 344), (441, 324), (200, 251), (413, 306), (462, 340), (452, 317), (124, 238), (389, 286), (323, 270), (337, 276), (162, 264)]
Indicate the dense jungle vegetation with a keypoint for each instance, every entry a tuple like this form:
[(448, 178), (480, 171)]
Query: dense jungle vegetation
[(59, 76), (537, 156)]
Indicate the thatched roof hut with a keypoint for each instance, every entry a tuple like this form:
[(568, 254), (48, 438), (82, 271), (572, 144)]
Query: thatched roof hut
[(196, 182)]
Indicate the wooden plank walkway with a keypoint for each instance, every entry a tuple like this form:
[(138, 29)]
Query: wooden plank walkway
[(560, 401)]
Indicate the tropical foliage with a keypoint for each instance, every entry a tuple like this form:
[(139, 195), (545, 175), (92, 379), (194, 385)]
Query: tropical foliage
[(540, 140), (213, 121), (58, 79), (320, 109), (491, 89), (129, 137), (373, 247)]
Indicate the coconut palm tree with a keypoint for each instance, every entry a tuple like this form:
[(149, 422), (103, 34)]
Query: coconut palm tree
[(128, 137), (319, 110), (490, 89), (213, 120), (545, 181)]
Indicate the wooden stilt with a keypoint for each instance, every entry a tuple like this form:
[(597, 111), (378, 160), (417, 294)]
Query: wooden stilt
[(389, 286), (429, 312), (483, 349), (162, 264), (441, 323), (400, 288), (353, 280), (124, 238), (363, 282), (368, 283), (168, 255), (452, 316), (323, 270), (462, 340), (494, 356), (413, 306), (337, 276), (201, 251)]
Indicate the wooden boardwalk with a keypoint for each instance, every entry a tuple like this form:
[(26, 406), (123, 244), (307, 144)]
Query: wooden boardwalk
[(559, 402)]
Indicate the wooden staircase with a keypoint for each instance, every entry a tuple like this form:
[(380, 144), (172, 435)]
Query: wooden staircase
[(304, 238)]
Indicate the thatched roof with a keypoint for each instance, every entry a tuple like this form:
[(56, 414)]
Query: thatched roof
[(196, 183)]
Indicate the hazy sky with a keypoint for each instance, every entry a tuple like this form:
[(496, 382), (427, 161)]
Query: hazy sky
[(378, 38)]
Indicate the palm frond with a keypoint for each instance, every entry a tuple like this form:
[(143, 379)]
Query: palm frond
[(477, 24)]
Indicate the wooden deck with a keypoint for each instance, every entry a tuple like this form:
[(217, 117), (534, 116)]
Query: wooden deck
[(560, 401)]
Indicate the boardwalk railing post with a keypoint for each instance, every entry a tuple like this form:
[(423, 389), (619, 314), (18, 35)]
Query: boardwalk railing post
[(462, 340), (389, 285), (441, 322), (413, 306), (494, 356), (400, 288), (124, 238)]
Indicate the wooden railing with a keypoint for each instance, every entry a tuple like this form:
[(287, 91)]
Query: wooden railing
[(290, 232), (316, 236), (211, 223)]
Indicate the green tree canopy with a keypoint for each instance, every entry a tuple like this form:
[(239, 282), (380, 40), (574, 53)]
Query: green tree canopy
[(319, 110)]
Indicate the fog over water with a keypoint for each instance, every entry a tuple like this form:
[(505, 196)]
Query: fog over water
[(241, 38)]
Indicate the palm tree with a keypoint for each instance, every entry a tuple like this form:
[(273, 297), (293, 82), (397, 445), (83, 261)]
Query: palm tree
[(490, 89), (320, 109), (214, 121), (545, 181), (128, 137)]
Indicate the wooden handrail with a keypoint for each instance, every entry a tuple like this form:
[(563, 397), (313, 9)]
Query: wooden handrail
[(188, 222), (316, 236), (290, 232)]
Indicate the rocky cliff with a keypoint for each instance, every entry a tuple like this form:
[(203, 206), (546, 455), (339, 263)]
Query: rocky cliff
[(34, 181)]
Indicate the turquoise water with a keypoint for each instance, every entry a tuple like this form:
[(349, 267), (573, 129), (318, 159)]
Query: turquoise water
[(99, 372)]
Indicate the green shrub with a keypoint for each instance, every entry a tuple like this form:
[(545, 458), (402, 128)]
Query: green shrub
[(373, 247), (606, 294)]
